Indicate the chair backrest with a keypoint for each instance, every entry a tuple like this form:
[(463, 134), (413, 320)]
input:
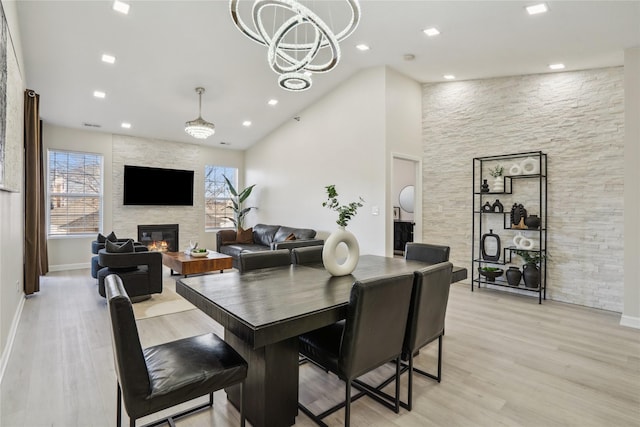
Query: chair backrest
[(264, 259), (428, 306), (129, 360), (375, 323), (426, 252), (307, 255)]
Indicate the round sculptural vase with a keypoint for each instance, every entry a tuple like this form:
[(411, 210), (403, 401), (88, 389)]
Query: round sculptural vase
[(533, 221), (531, 275), (498, 185), (330, 257), (513, 276)]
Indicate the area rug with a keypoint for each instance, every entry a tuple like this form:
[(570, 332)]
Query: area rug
[(168, 302)]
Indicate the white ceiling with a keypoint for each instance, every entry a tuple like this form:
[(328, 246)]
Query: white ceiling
[(164, 49)]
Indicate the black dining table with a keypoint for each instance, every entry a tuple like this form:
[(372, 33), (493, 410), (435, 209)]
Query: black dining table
[(263, 312)]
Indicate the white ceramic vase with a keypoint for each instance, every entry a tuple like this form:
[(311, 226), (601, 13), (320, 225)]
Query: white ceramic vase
[(498, 185), (329, 256)]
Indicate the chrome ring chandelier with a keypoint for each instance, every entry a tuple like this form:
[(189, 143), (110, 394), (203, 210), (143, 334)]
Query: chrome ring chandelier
[(295, 61)]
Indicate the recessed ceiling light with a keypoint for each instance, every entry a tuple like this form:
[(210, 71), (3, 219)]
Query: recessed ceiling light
[(362, 47), (273, 102), (537, 8), (308, 73), (449, 76), (556, 66), (120, 6), (99, 94), (246, 123), (225, 143), (431, 32), (126, 125), (109, 59)]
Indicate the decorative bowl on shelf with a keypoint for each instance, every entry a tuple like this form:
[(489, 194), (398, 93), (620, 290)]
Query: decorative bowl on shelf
[(199, 253), (490, 273)]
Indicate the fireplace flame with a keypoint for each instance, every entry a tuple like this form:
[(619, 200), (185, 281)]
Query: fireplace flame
[(158, 246)]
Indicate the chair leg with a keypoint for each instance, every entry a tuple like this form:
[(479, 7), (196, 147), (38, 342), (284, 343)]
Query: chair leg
[(397, 402), (119, 407), (347, 407), (210, 399), (242, 417), (410, 388), (440, 357)]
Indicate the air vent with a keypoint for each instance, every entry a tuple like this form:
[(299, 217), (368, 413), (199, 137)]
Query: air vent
[(91, 125), (225, 143)]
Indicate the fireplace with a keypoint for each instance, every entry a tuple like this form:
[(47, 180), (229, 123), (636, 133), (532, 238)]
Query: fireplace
[(159, 238)]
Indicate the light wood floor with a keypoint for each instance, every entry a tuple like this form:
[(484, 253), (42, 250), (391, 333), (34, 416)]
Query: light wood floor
[(507, 362)]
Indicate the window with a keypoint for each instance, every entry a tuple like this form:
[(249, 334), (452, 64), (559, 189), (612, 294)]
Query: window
[(74, 187), (217, 198)]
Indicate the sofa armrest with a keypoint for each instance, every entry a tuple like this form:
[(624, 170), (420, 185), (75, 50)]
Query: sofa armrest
[(223, 237), (130, 259), (290, 244)]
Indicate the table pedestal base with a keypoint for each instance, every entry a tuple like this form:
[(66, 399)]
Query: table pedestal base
[(271, 387)]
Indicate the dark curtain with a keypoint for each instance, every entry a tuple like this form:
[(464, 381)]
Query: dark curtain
[(36, 261)]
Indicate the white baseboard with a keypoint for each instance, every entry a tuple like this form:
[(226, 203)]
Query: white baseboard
[(6, 353), (64, 267), (632, 322)]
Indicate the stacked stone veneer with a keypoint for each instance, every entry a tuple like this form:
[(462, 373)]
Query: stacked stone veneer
[(577, 118), (158, 154)]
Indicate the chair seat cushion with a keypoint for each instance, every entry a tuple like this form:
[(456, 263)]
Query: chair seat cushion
[(188, 368), (323, 345)]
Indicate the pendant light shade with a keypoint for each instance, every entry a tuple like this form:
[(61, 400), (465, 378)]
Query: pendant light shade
[(200, 128)]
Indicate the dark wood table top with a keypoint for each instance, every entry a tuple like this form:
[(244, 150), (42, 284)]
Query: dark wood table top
[(269, 305)]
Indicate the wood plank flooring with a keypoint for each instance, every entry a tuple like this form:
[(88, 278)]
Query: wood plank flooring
[(507, 362)]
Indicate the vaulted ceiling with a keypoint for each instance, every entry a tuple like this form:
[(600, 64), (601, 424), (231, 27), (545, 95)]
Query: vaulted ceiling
[(164, 49)]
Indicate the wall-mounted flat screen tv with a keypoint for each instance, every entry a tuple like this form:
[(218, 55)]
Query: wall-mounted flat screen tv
[(157, 186)]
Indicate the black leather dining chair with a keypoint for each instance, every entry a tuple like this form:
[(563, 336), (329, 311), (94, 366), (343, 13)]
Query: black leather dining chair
[(159, 377), (426, 252), (425, 323), (264, 259), (307, 255), (370, 336)]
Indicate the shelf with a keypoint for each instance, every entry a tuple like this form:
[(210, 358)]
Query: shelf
[(489, 212), (513, 248), (504, 284), (499, 262), (525, 229)]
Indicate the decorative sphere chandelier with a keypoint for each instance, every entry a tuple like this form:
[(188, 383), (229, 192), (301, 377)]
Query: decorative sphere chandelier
[(299, 42), (199, 128)]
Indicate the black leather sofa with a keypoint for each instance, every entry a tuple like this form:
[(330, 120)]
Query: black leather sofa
[(265, 238)]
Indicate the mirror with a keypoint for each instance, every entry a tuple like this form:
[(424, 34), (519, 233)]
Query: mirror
[(406, 198)]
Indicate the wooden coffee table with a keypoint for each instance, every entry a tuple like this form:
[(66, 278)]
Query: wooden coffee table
[(186, 264)]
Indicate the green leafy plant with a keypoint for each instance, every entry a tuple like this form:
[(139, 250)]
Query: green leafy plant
[(491, 269), (345, 212), (239, 212), (496, 171), (531, 257)]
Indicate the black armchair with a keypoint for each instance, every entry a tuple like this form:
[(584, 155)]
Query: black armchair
[(255, 260), (426, 252), (141, 272), (97, 245), (159, 377), (370, 336)]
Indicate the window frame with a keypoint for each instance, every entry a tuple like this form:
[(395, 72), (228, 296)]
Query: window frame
[(206, 184), (49, 195)]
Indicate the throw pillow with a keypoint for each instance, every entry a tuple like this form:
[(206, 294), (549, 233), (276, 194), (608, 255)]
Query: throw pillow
[(291, 237), (119, 248), (244, 236), (111, 236)]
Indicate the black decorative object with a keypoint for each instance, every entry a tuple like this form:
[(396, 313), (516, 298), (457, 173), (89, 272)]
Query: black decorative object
[(497, 206), (487, 207), (484, 188), (483, 245), (490, 273), (513, 276), (531, 275), (518, 214), (533, 221)]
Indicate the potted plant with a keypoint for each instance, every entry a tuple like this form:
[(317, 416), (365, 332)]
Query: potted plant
[(490, 273), (530, 270), (238, 199), (498, 180), (345, 214)]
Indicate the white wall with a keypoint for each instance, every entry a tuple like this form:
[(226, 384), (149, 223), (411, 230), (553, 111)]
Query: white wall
[(12, 212), (577, 118), (631, 309), (75, 252)]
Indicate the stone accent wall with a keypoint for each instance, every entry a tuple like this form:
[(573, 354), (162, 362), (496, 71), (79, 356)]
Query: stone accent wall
[(158, 154), (577, 118)]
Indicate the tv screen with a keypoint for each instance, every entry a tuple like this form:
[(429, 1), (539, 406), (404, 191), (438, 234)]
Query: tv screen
[(156, 186)]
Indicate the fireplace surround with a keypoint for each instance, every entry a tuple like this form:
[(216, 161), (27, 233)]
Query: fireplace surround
[(159, 237)]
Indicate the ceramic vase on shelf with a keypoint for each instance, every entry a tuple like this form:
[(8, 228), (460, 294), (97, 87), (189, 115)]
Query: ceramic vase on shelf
[(531, 275), (498, 185), (330, 258), (513, 276), (484, 188)]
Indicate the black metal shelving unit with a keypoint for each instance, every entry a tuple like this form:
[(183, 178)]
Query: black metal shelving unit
[(480, 218)]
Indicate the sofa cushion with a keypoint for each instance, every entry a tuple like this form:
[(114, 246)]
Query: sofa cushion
[(233, 250), (299, 233), (244, 236), (264, 234), (118, 248), (111, 237)]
